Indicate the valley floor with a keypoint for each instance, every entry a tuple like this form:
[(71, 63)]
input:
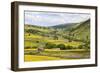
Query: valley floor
[(29, 58), (32, 55)]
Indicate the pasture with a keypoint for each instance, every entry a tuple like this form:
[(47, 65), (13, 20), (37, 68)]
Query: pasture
[(58, 43), (47, 54)]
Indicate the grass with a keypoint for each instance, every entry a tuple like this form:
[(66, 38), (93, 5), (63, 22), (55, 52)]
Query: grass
[(33, 37), (52, 54), (36, 28), (48, 54), (41, 36), (29, 58), (32, 41)]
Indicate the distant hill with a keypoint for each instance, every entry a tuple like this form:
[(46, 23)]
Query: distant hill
[(67, 26)]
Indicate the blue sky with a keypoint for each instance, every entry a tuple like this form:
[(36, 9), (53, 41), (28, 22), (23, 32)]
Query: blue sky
[(53, 18)]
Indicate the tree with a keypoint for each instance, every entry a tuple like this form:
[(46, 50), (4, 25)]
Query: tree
[(50, 45), (61, 46), (80, 46), (69, 47)]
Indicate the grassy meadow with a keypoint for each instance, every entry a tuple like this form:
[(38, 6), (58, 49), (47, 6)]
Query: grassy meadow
[(59, 42)]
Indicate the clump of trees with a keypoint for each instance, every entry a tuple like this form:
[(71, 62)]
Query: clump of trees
[(66, 47), (61, 46), (84, 46), (50, 45)]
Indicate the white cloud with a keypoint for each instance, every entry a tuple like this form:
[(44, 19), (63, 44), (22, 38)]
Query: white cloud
[(50, 18)]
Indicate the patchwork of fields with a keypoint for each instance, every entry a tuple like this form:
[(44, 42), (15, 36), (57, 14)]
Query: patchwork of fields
[(56, 43), (32, 55)]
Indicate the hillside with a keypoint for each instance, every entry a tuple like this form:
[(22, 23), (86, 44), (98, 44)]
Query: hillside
[(63, 41), (79, 31), (82, 31), (67, 26)]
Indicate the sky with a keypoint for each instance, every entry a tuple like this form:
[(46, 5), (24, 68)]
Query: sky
[(53, 18)]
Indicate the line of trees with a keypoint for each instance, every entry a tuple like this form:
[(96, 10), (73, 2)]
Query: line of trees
[(66, 47)]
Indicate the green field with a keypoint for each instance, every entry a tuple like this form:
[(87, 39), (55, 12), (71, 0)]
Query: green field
[(57, 42), (29, 58), (32, 55)]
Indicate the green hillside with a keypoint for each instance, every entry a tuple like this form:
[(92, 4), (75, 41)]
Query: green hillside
[(63, 41), (67, 26), (82, 31)]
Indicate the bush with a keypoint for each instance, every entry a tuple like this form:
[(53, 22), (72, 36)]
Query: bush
[(84, 46), (50, 45), (27, 47), (69, 47), (87, 46), (61, 46), (80, 46)]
